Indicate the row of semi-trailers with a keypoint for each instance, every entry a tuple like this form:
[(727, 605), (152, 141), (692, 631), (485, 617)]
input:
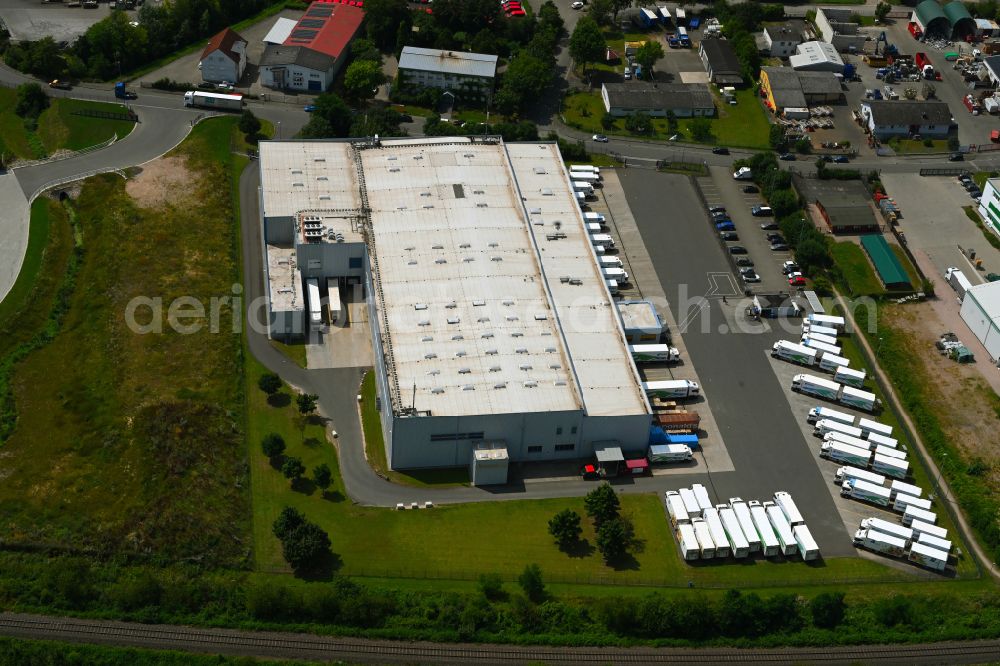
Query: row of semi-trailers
[(334, 305), (737, 529)]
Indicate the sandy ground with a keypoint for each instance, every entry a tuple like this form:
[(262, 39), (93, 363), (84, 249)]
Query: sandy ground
[(158, 181)]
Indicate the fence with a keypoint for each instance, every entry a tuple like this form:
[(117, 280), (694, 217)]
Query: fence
[(108, 115), (78, 153), (943, 171)]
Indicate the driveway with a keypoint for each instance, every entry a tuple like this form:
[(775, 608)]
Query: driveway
[(13, 231), (30, 20)]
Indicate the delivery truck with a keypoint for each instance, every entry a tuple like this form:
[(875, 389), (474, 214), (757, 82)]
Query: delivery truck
[(593, 217), (819, 337), (208, 100), (583, 187), (607, 261), (897, 487), (654, 353), (706, 546), (900, 502), (675, 508), (847, 472), (920, 527), (808, 328), (690, 503), (830, 321), (614, 273), (832, 362), (914, 514), (715, 527), (794, 353), (817, 386), (822, 346), (865, 492), (677, 421), (850, 376), (782, 530), (745, 519), (888, 451), (787, 505), (841, 438), (824, 426), (669, 453), (585, 167), (672, 389), (687, 541), (887, 527), (701, 496), (880, 542), (883, 441), (739, 547), (807, 546), (769, 544), (925, 556), (594, 228), (820, 413), (944, 545), (604, 240), (852, 397), (845, 453), (869, 426), (897, 469)]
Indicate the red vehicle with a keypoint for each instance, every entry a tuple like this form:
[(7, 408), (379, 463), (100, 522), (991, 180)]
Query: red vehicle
[(921, 59), (915, 30), (516, 12), (995, 136), (797, 281)]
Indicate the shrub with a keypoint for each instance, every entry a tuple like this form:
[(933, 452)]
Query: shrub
[(273, 445), (269, 382), (828, 609), (531, 582), (491, 585)]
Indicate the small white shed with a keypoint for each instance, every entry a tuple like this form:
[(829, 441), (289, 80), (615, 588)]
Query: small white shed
[(488, 466)]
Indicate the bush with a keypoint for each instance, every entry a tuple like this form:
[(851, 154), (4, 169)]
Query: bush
[(269, 382), (531, 582), (31, 101), (273, 445), (828, 609), (171, 85), (491, 585)]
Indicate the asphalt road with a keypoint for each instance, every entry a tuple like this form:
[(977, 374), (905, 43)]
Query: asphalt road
[(761, 434)]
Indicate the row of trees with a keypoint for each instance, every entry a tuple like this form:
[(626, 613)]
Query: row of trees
[(304, 545), (615, 533)]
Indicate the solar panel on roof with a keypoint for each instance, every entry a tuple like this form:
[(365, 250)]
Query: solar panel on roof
[(304, 34), (311, 23), (319, 11)]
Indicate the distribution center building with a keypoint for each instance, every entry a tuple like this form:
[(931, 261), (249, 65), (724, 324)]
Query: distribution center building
[(981, 311), (492, 323)]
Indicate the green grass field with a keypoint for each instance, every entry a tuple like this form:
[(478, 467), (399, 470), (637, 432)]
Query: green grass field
[(914, 146), (907, 265), (132, 443), (857, 270)]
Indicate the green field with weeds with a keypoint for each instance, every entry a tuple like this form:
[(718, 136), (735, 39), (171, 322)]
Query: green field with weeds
[(857, 270)]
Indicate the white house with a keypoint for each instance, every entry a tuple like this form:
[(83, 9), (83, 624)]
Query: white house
[(225, 58), (928, 119), (780, 40), (816, 57)]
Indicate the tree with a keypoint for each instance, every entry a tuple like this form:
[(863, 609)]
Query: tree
[(619, 5), (365, 49), (306, 403), (305, 547), (607, 121), (525, 80), (269, 382), (548, 16), (783, 202), (828, 609), (382, 20), (600, 11), (383, 121), (638, 123), (31, 100), (332, 118), (273, 445), (322, 476), (250, 125), (587, 43), (287, 522), (491, 585), (776, 138), (565, 527), (648, 55), (531, 582), (602, 504), (293, 468), (701, 129), (812, 253), (614, 537), (363, 78), (672, 123), (882, 10)]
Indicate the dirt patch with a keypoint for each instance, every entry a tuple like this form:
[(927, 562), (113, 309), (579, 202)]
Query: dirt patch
[(160, 182), (965, 402)]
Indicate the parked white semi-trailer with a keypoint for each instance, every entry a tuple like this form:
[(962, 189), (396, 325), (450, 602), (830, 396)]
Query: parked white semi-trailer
[(852, 397), (207, 100), (920, 527), (822, 346), (832, 362), (819, 337), (900, 487), (769, 544), (886, 527), (847, 439), (825, 426), (591, 218), (941, 544), (850, 376), (880, 543), (848, 472), (808, 328), (604, 240), (745, 519), (674, 388), (738, 544), (787, 504), (869, 426), (715, 527), (585, 167), (706, 546), (929, 557), (865, 492), (654, 353), (900, 502), (690, 503), (882, 440), (897, 469), (675, 508), (830, 321), (315, 305), (669, 453), (807, 546), (817, 386), (687, 541), (845, 453), (795, 353), (701, 496), (782, 529), (819, 413), (915, 514)]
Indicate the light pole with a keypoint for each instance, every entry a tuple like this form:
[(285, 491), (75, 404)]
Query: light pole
[(279, 130), (878, 348)]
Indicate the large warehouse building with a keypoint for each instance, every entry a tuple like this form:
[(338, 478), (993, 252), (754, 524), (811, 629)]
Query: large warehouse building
[(981, 311), (493, 328)]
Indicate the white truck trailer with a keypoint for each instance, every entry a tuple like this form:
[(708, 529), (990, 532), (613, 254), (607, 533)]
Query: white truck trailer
[(807, 546), (848, 472), (869, 426), (865, 492), (669, 453), (820, 413), (916, 514), (654, 353), (832, 362), (880, 542), (315, 305), (845, 453), (745, 519), (787, 504), (593, 217), (687, 541), (859, 399), (886, 527), (822, 346), (884, 441), (817, 386), (943, 545), (594, 227), (794, 353), (671, 389), (701, 496), (585, 167), (583, 187), (718, 531), (850, 376), (888, 452), (738, 544), (819, 337), (920, 527), (604, 240), (690, 503), (609, 261), (208, 100), (900, 502), (897, 487), (897, 469), (619, 275), (675, 508), (782, 529), (847, 439), (824, 426), (808, 328), (769, 544), (829, 321), (929, 557), (706, 546)]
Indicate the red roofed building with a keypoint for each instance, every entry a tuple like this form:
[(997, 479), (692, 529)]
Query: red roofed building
[(314, 51), (225, 58)]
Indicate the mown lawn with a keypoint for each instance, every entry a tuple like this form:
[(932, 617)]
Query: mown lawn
[(130, 442), (912, 146), (48, 247), (857, 270)]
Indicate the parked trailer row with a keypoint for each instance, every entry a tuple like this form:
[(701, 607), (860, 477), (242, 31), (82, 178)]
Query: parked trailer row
[(769, 544), (819, 329), (807, 355), (927, 554), (845, 395)]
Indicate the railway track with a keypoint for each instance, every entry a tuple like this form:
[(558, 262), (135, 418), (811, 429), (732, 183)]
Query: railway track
[(322, 648)]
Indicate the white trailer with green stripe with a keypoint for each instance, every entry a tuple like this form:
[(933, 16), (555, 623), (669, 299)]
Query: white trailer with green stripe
[(654, 353), (845, 453), (859, 399), (796, 353), (817, 386), (865, 492)]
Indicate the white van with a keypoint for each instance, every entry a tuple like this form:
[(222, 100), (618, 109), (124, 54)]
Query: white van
[(584, 187), (609, 261), (613, 273), (593, 217), (602, 239)]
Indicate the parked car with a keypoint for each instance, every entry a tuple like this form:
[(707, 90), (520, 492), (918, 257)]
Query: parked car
[(796, 281), (789, 267), (720, 150), (768, 226), (628, 73), (309, 108), (516, 12), (577, 5), (737, 249), (749, 275), (726, 225), (744, 261), (761, 211), (599, 138), (787, 157), (775, 237), (975, 194), (750, 189), (721, 217), (779, 247), (716, 209), (956, 157), (841, 159), (729, 235)]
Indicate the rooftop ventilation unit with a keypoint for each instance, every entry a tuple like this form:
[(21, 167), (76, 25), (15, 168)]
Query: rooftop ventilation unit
[(468, 387), (461, 354), (500, 385), (458, 337), (521, 350), (420, 306), (427, 338), (430, 355), (478, 302), (465, 371), (453, 320), (492, 352), (487, 335), (437, 391), (525, 367), (494, 368), (531, 383)]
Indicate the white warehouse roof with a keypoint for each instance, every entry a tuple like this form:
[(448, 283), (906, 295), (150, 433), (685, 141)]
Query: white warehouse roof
[(812, 54), (448, 62), (280, 31), (987, 295)]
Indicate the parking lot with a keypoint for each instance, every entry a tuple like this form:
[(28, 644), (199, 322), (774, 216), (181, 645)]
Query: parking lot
[(32, 19)]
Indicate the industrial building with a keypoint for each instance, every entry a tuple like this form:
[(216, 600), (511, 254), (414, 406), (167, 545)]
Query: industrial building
[(844, 205), (816, 57), (836, 27), (951, 21), (721, 63), (658, 100), (493, 329), (780, 40), (890, 272), (313, 51), (926, 118), (989, 205), (785, 88), (981, 312), (468, 76)]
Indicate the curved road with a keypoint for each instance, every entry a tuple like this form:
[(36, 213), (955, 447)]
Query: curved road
[(281, 645)]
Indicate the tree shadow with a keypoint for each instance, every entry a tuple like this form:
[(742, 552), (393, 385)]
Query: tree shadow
[(276, 462), (304, 486), (317, 420), (323, 569), (279, 400), (580, 548), (624, 562), (311, 443), (333, 496)]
